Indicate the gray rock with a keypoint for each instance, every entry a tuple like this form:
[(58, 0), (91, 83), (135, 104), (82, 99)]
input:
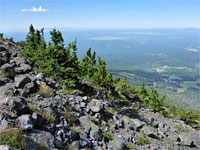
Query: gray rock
[(4, 124), (58, 142), (5, 147), (22, 80), (87, 124), (17, 104), (24, 68), (40, 77), (82, 104), (96, 105), (30, 87), (97, 136), (2, 48), (6, 121), (4, 55), (150, 131), (133, 124), (75, 145), (117, 145), (28, 127), (84, 141), (26, 122), (35, 137), (9, 68), (19, 60), (25, 119), (185, 140), (74, 136), (10, 92), (37, 119)]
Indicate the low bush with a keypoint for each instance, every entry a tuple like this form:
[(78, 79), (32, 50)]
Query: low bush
[(13, 138), (45, 90), (143, 140)]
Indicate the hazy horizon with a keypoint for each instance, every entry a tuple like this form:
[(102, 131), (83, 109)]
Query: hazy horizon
[(99, 14)]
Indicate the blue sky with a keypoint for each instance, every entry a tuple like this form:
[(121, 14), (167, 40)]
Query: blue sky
[(123, 14)]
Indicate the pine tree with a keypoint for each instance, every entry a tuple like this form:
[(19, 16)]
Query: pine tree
[(30, 46), (100, 73), (88, 64)]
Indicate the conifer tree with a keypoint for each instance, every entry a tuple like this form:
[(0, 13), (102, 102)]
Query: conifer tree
[(100, 73), (88, 64), (30, 46)]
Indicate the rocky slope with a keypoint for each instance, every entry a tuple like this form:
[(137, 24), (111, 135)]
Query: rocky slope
[(50, 119)]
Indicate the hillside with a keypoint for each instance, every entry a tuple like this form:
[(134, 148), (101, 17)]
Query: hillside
[(38, 112)]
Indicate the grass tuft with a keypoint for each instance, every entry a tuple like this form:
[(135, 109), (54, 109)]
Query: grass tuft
[(13, 138)]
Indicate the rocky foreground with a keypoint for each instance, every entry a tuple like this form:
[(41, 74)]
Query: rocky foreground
[(49, 119)]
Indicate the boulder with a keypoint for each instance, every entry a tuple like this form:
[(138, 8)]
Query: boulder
[(5, 121), (74, 136), (22, 80), (58, 143), (150, 131), (35, 137), (26, 122), (40, 77), (17, 104), (185, 140), (87, 124), (75, 145), (2, 48), (132, 124), (117, 145), (24, 68), (9, 69), (30, 87), (5, 147), (37, 120), (84, 142), (96, 106), (19, 60)]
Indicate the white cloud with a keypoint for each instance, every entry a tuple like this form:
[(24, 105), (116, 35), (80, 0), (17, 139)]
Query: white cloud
[(192, 49), (109, 38), (40, 9)]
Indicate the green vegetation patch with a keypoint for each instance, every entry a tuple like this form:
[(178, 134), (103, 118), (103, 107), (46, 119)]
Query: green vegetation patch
[(48, 117), (180, 128), (69, 118), (181, 90), (130, 146), (192, 118), (108, 135), (45, 90), (13, 138), (143, 140), (42, 146)]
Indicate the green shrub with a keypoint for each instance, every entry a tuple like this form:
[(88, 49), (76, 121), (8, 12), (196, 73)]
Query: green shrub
[(48, 117), (69, 118), (108, 135), (67, 91), (13, 138), (190, 117), (42, 146), (130, 146), (143, 140), (180, 128), (45, 90)]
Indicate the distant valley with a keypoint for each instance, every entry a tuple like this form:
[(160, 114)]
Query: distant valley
[(167, 59)]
